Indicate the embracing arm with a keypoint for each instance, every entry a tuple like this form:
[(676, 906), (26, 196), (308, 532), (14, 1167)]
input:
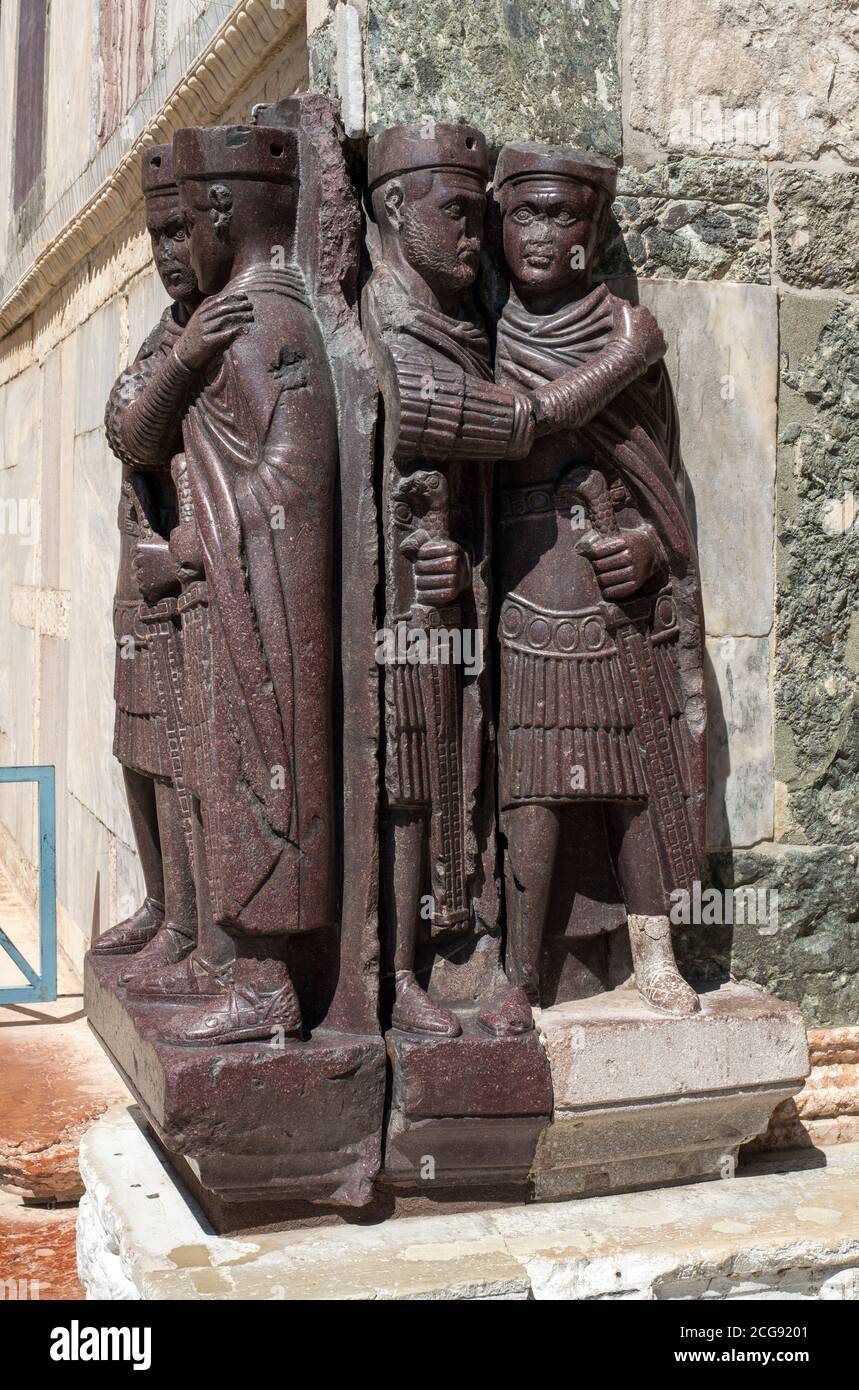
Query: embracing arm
[(145, 409), (441, 412), (574, 400)]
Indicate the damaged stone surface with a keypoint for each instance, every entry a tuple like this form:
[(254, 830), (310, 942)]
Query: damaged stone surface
[(692, 219), (783, 1231), (817, 569), (816, 228), (826, 1110), (544, 71), (37, 1253), (808, 955), (775, 79), (54, 1081), (641, 1099)]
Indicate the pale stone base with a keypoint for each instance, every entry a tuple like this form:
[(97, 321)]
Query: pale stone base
[(641, 1099), (770, 1233)]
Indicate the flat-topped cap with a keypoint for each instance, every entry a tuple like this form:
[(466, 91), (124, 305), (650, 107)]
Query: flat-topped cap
[(235, 152), (530, 160), (157, 175), (401, 149)]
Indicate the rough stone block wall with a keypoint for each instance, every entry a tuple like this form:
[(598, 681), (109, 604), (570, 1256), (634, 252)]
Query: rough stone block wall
[(741, 147)]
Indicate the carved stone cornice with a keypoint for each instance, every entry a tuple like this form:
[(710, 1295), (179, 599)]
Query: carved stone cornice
[(250, 36)]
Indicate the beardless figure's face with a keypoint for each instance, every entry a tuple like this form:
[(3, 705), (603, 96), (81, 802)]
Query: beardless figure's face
[(171, 247), (441, 232), (551, 229)]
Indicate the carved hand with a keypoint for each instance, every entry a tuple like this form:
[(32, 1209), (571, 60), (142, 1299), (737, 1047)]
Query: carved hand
[(625, 561), (154, 568), (442, 571), (185, 550), (638, 326), (212, 328)]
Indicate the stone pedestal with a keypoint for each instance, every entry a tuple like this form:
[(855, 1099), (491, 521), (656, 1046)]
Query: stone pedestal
[(782, 1229), (642, 1100), (255, 1122), (467, 1111)]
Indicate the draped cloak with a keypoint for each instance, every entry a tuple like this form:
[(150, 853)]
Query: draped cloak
[(636, 437), (261, 448)]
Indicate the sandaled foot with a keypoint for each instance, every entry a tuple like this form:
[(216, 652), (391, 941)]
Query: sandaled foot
[(659, 982), (168, 946), (239, 1013), (507, 1015), (188, 981), (133, 934), (415, 1012), (667, 991)]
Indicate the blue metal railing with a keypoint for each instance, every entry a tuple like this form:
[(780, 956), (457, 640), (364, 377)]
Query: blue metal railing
[(42, 987)]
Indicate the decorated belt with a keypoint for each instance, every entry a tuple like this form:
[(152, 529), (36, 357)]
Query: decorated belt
[(515, 502), (582, 633)]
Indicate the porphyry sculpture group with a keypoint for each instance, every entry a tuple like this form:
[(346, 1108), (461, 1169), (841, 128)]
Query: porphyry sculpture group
[(409, 656)]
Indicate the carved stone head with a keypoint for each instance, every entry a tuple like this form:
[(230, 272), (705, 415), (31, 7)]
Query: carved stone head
[(555, 202), (238, 188), (170, 245), (428, 191)]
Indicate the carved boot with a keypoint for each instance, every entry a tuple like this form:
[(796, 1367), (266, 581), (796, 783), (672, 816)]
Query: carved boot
[(657, 978), (132, 934), (415, 1012), (240, 1012), (188, 981), (168, 945), (507, 1014)]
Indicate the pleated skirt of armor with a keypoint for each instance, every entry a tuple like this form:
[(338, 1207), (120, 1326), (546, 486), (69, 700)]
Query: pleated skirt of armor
[(140, 732), (567, 719)]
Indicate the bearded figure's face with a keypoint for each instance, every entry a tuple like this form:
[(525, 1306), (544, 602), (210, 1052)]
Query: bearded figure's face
[(171, 247), (552, 228), (439, 217)]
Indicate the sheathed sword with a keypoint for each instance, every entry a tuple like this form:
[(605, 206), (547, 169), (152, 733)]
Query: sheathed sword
[(159, 621), (426, 493), (662, 771)]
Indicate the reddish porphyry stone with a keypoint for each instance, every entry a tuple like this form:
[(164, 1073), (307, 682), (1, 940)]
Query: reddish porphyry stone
[(54, 1081), (37, 1254)]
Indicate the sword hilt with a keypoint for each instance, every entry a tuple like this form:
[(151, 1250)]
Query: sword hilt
[(590, 485), (427, 494)]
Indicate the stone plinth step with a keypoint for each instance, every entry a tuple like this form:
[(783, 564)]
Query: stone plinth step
[(771, 1232)]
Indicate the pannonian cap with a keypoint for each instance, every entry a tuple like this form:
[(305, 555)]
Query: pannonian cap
[(526, 160), (401, 149), (157, 174), (235, 152)]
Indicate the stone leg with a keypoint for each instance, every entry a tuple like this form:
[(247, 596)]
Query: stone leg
[(143, 809), (177, 934), (658, 980), (136, 931), (404, 839), (533, 835)]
